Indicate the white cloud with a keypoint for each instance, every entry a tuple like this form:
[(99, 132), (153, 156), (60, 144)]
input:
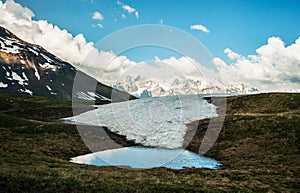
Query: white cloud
[(199, 27), (128, 8), (187, 67), (162, 70), (15, 12), (232, 55), (97, 16), (219, 62), (99, 25), (274, 67)]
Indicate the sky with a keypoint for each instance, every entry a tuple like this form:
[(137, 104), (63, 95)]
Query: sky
[(241, 25), (254, 42)]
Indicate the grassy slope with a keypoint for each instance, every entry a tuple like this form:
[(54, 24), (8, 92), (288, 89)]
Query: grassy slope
[(258, 145)]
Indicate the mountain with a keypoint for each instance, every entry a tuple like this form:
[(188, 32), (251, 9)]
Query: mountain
[(143, 87), (29, 69)]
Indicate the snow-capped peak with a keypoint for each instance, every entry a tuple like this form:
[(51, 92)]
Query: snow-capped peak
[(142, 87)]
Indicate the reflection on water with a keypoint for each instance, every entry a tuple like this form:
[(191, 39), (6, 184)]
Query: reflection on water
[(138, 157)]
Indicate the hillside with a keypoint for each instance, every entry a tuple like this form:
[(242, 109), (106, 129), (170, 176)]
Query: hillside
[(258, 147)]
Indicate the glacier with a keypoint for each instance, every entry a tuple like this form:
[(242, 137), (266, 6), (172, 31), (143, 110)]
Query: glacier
[(154, 122)]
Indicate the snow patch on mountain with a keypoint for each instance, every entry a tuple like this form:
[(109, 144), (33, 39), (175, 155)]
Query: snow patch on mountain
[(2, 85), (47, 58), (16, 77), (48, 66), (33, 51), (91, 96), (26, 91), (48, 87), (53, 93), (9, 46), (25, 77), (36, 73)]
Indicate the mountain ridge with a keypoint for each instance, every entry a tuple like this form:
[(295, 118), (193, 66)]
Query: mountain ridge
[(30, 69), (143, 87)]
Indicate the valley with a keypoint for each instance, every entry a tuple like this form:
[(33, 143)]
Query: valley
[(258, 148)]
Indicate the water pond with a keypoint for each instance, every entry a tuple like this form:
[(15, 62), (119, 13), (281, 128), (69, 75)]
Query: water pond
[(143, 158)]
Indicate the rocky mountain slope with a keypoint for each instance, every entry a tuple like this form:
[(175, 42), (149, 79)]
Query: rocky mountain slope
[(30, 69)]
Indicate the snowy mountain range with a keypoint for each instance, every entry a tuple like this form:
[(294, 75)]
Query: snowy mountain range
[(30, 69), (143, 87)]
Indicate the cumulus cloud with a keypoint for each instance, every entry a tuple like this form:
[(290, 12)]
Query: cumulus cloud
[(187, 66), (137, 14), (97, 16), (13, 12), (274, 66), (199, 27)]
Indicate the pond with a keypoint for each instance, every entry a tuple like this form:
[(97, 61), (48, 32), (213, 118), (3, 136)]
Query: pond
[(144, 158)]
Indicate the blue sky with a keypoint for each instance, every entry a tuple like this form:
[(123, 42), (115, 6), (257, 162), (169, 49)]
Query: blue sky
[(253, 42), (241, 25)]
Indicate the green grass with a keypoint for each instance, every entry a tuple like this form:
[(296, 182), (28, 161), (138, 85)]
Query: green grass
[(260, 152), (264, 103)]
